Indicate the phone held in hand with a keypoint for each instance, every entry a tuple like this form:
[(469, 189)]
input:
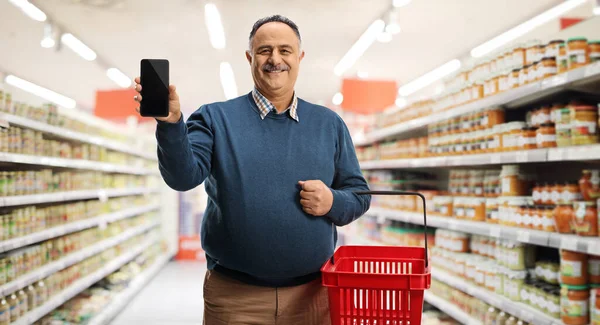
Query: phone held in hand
[(154, 78)]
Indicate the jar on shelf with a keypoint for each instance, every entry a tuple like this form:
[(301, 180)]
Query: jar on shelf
[(491, 210), (548, 222), (589, 184), (536, 194), (562, 61), (519, 57), (563, 214), (585, 218), (570, 193), (532, 73), (594, 51), (545, 136), (443, 206), (552, 48), (524, 75), (574, 304), (510, 139), (555, 193), (537, 218), (573, 268), (584, 125), (527, 138), (594, 269), (563, 127), (514, 182), (513, 79), (577, 50), (546, 68)]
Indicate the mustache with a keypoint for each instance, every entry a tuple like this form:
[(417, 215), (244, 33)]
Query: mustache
[(268, 67)]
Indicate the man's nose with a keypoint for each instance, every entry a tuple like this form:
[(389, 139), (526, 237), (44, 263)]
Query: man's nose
[(275, 58)]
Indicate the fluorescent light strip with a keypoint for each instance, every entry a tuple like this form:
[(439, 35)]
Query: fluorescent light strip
[(216, 34), (42, 92), (359, 48), (30, 10), (228, 81), (401, 102), (430, 77), (400, 3), (524, 28), (78, 47), (118, 77)]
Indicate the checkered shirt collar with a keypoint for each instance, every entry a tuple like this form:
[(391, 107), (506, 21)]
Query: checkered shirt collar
[(265, 106)]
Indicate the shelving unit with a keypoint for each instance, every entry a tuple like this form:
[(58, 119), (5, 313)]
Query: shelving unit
[(14, 243), (589, 245), (579, 153), (511, 98), (83, 284), (6, 157), (72, 196), (135, 286), (450, 309), (72, 259), (522, 311), (74, 136)]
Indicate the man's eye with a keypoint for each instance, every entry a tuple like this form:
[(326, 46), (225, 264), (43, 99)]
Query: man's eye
[(264, 52), (285, 51)]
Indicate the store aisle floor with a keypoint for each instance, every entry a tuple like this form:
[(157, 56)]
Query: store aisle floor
[(173, 297)]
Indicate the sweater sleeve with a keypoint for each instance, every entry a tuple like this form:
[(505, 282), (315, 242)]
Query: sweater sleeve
[(347, 206), (185, 150)]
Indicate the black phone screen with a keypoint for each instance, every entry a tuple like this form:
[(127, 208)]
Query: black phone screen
[(154, 78)]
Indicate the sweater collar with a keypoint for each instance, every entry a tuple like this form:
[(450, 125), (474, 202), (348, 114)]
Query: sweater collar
[(265, 106)]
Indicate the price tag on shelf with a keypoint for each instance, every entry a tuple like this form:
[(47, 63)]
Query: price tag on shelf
[(452, 225), (593, 246), (568, 243), (495, 231), (522, 157), (495, 159), (523, 236), (592, 69)]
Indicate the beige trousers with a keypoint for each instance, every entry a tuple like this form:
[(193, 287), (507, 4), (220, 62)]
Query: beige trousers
[(231, 302)]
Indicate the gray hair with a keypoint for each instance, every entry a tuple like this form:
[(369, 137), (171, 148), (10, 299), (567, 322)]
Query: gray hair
[(274, 19)]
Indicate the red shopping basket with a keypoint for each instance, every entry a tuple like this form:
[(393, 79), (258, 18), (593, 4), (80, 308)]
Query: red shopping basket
[(378, 285)]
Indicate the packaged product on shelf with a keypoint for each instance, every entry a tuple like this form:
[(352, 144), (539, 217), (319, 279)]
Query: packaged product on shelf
[(577, 51), (575, 305), (585, 221), (594, 269), (584, 124), (15, 312), (573, 268), (4, 312), (589, 184)]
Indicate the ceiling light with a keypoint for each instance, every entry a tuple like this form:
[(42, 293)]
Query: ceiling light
[(359, 48), (393, 28), (48, 40), (216, 34), (401, 102), (384, 37), (118, 77), (401, 3), (42, 92), (228, 81), (430, 77), (337, 99), (30, 10), (524, 28), (78, 47), (362, 74)]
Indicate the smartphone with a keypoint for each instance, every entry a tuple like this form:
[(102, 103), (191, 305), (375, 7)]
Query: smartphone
[(154, 78)]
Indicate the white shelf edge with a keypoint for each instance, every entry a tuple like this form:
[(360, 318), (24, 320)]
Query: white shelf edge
[(81, 284), (72, 227), (135, 286), (72, 163), (516, 309), (72, 259), (450, 309), (574, 153), (75, 136), (589, 245), (547, 86), (72, 196)]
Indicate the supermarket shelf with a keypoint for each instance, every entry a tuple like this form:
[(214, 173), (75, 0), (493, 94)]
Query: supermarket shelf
[(54, 232), (72, 196), (590, 245), (510, 98), (579, 153), (72, 163), (450, 309), (516, 309), (72, 259), (82, 284), (75, 136), (122, 299)]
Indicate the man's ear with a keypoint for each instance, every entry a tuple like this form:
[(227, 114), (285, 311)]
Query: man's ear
[(249, 57), (302, 55)]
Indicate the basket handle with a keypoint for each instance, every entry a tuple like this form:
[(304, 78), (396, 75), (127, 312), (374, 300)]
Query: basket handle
[(399, 193)]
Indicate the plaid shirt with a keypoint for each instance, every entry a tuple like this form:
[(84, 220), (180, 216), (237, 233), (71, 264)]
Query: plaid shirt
[(265, 106)]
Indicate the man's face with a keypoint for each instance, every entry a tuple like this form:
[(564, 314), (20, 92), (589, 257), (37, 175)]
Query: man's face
[(275, 58)]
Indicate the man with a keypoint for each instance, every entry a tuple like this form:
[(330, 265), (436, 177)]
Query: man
[(280, 174)]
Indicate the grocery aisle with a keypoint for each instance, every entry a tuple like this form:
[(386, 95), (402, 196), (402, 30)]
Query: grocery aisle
[(179, 284)]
